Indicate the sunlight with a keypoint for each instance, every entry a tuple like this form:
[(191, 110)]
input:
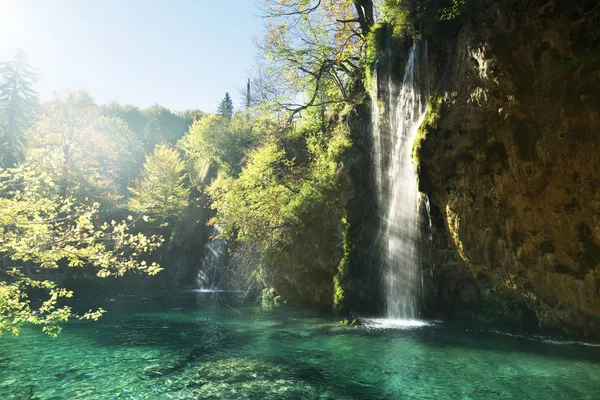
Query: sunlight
[(387, 323), (15, 28), (236, 184)]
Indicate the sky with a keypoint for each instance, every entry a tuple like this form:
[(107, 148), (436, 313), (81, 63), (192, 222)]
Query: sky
[(178, 53)]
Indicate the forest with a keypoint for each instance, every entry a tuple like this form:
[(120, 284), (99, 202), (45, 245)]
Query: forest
[(391, 164)]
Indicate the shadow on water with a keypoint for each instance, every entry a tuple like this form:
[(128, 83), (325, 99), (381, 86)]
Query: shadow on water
[(195, 343), (488, 338), (209, 340), (169, 321)]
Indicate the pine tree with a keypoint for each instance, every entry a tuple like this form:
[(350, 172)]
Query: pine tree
[(18, 101), (226, 107)]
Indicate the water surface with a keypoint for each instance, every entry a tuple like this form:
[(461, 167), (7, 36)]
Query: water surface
[(194, 345)]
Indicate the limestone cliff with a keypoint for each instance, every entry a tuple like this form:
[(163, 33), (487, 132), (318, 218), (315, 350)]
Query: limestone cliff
[(510, 158)]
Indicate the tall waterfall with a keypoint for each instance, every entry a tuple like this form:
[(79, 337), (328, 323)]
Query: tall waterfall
[(214, 251), (396, 181)]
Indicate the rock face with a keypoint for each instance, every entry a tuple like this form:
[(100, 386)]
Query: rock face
[(510, 158)]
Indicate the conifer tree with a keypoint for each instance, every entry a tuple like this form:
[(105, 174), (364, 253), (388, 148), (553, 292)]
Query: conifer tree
[(18, 101), (226, 107)]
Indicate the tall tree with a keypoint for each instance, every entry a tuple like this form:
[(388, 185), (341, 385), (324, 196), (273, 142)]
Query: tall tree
[(226, 107), (221, 141), (160, 190), (317, 46), (18, 101), (86, 154)]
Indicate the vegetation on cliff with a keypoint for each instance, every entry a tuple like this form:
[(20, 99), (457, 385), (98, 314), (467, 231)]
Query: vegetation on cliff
[(506, 155)]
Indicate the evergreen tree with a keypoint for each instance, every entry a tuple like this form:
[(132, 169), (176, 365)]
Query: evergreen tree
[(17, 105), (226, 107)]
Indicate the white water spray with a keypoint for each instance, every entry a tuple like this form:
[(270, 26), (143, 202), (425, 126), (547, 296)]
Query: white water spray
[(397, 190), (214, 251)]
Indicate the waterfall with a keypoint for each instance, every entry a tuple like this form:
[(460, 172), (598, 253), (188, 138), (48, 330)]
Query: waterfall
[(214, 251), (396, 183)]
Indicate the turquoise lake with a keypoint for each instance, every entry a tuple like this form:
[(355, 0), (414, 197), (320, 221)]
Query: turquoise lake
[(189, 345)]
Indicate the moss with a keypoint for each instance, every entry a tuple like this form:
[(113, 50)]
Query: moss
[(271, 298), (376, 40), (408, 18), (454, 10), (400, 14), (429, 124), (351, 321), (340, 280)]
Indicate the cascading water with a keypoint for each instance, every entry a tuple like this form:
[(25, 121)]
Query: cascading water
[(214, 251), (396, 182)]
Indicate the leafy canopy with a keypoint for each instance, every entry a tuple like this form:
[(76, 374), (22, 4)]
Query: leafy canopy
[(220, 140), (85, 153), (51, 232), (160, 190)]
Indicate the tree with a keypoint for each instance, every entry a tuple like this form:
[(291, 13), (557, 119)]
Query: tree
[(219, 140), (279, 206), (79, 149), (18, 102), (160, 189), (225, 108), (155, 124), (317, 46), (54, 231), (132, 115), (129, 150)]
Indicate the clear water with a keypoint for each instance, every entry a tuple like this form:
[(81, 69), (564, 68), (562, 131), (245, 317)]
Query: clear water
[(196, 345)]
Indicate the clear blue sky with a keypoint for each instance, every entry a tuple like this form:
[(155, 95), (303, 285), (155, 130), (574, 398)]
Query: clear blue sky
[(177, 53)]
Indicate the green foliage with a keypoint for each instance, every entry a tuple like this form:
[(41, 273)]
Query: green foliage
[(340, 280), (400, 14), (225, 108), (251, 207), (129, 153), (277, 201), (53, 231), (160, 190), (314, 49), (220, 140), (154, 125), (190, 116), (18, 103), (455, 9), (163, 127), (83, 152), (374, 56), (429, 123), (408, 17), (269, 298)]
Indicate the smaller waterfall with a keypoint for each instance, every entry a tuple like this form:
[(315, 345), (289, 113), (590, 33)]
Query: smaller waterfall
[(214, 252)]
